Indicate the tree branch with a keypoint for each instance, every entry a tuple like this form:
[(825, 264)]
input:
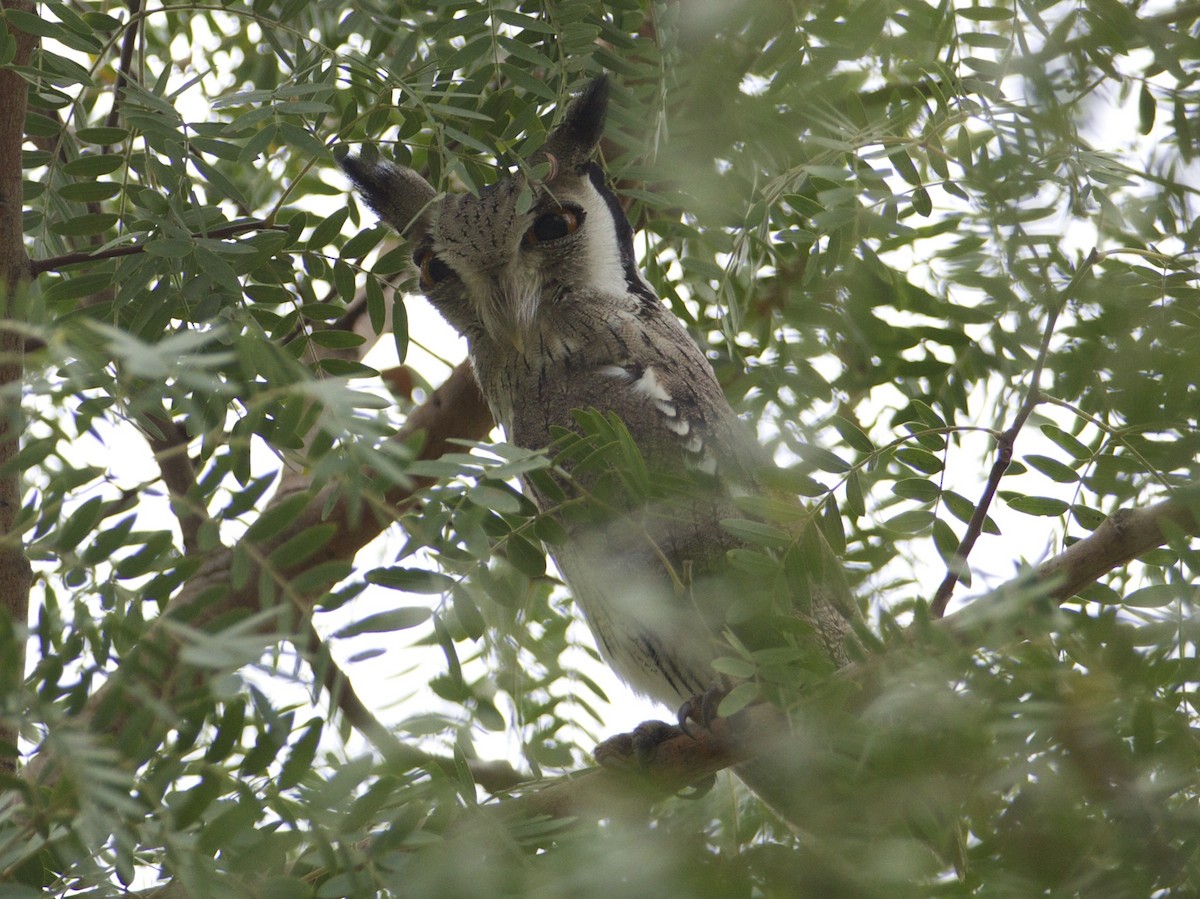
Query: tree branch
[(674, 764), (15, 572), (1123, 536), (125, 64), (1004, 449), (54, 263)]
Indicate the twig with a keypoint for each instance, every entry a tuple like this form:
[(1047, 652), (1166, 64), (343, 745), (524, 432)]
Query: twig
[(126, 61), (1004, 449), (38, 266)]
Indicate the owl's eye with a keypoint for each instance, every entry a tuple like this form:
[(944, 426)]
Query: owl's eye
[(554, 225), (433, 270)]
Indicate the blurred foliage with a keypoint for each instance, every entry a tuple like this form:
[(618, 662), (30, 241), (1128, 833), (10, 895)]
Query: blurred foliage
[(870, 211)]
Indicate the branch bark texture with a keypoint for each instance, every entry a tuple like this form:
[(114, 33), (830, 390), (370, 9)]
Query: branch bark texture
[(15, 574)]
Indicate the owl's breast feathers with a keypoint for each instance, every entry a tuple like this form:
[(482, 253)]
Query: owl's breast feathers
[(625, 355)]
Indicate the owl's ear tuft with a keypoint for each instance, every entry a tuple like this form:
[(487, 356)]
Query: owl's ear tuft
[(573, 143), (398, 195)]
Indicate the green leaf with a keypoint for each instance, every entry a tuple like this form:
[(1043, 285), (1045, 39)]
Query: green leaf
[(756, 532), (921, 202), (1155, 596), (79, 286), (911, 522), (917, 488), (170, 247), (400, 327), (496, 496), (1147, 109), (771, 508), (188, 805), (984, 13), (1087, 517), (93, 166), (1067, 442), (328, 228), (276, 518), (376, 306), (920, 460), (524, 556), (385, 622), (1052, 468), (36, 25), (944, 540), (852, 434), (80, 522), (467, 612), (734, 667), (855, 505), (410, 580), (301, 547), (345, 368), (822, 458), (1036, 505), (737, 699), (108, 541), (86, 225), (300, 759), (102, 135), (89, 191), (904, 166), (337, 340), (831, 526)]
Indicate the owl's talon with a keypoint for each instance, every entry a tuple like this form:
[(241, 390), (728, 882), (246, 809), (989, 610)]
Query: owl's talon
[(701, 708), (634, 749)]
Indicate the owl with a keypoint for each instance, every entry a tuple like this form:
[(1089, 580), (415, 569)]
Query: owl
[(541, 278)]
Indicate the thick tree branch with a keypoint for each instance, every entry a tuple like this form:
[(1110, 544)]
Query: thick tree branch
[(1123, 536), (15, 572)]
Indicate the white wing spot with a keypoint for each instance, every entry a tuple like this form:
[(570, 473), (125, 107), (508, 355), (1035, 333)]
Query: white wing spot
[(615, 371), (678, 425), (649, 384)]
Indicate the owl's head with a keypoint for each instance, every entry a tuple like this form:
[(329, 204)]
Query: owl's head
[(491, 263)]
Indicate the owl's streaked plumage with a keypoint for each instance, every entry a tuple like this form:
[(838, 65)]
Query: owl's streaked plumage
[(558, 318)]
